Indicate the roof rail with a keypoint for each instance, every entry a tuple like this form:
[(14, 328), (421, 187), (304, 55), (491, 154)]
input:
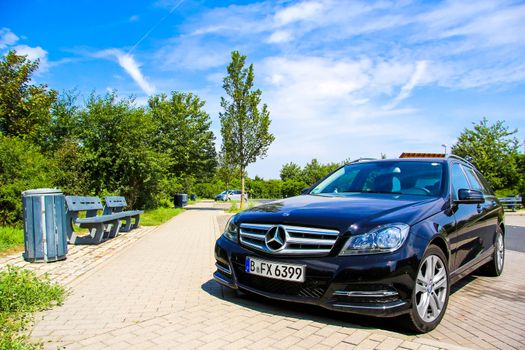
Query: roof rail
[(466, 160), (361, 160)]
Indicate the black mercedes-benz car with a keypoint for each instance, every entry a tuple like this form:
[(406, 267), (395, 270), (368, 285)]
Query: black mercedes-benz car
[(380, 237)]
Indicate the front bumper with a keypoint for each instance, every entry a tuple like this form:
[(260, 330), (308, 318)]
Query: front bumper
[(377, 285)]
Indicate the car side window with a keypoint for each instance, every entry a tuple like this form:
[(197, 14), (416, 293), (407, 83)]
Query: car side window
[(475, 184), (485, 183), (458, 179)]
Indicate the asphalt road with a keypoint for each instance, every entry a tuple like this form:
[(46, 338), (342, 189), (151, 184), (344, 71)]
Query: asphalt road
[(515, 238)]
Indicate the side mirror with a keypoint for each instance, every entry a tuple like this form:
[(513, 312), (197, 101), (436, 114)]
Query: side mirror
[(305, 190), (470, 196)]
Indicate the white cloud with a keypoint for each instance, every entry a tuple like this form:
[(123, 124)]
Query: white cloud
[(130, 65), (134, 18), (280, 36), (7, 38), (318, 77), (298, 12), (406, 90), (233, 20), (330, 109), (189, 53), (34, 53)]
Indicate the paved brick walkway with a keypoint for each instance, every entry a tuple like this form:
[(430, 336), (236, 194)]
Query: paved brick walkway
[(80, 258), (158, 293)]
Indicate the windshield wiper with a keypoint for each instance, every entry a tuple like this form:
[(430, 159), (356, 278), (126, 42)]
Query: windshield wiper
[(385, 192)]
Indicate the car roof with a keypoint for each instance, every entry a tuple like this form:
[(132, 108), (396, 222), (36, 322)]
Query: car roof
[(430, 160), (439, 159)]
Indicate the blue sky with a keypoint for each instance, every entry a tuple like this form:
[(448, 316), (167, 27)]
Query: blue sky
[(342, 79)]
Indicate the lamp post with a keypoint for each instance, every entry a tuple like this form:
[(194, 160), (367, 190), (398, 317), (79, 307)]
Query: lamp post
[(445, 146)]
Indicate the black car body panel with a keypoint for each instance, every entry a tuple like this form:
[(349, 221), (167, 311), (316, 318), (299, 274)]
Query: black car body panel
[(361, 210), (372, 284)]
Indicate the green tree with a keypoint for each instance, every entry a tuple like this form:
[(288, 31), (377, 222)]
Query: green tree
[(292, 188), (65, 121), (244, 126), (65, 147), (520, 161), (226, 170), (291, 171), (22, 167), (24, 107), (315, 171), (493, 149), (119, 156), (182, 132)]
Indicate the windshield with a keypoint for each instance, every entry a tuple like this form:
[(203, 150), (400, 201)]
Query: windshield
[(398, 177)]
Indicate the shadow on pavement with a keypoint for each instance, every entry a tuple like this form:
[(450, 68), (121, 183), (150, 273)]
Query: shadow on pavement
[(312, 312), (205, 208), (302, 311)]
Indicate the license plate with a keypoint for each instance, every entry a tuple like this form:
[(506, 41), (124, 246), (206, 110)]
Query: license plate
[(271, 269)]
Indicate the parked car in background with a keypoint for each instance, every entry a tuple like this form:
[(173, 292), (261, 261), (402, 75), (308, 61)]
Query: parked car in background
[(223, 196), (230, 195), (382, 238)]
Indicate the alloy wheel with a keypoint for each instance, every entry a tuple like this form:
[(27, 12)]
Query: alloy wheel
[(500, 251), (431, 288)]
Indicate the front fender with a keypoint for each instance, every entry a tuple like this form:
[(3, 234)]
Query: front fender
[(436, 231)]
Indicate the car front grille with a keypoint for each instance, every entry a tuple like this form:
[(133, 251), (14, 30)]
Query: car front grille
[(298, 240)]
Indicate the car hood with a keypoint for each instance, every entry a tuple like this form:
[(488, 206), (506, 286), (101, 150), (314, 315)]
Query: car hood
[(362, 211)]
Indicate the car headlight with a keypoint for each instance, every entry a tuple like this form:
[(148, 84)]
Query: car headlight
[(231, 231), (382, 239)]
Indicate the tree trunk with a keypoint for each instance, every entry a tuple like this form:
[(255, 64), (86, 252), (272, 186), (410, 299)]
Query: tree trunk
[(242, 188)]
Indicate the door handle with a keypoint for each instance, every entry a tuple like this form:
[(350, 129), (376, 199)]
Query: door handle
[(480, 208)]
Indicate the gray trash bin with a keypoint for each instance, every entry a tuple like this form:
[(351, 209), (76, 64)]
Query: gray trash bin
[(44, 225)]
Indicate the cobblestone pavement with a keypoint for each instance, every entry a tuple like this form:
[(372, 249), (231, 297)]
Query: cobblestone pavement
[(80, 258), (158, 293)]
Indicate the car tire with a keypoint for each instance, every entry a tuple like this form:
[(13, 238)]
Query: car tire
[(494, 268), (431, 292)]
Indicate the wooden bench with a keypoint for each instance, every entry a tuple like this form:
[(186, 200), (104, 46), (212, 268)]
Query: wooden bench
[(100, 226), (511, 203), (116, 204)]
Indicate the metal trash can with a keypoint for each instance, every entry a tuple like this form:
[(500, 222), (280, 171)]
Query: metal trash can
[(180, 200), (44, 225), (193, 197)]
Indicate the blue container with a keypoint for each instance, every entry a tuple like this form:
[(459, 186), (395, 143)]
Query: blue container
[(180, 200), (44, 225)]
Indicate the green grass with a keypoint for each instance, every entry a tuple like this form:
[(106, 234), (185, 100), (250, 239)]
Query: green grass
[(22, 294), (157, 216), (11, 239), (234, 207)]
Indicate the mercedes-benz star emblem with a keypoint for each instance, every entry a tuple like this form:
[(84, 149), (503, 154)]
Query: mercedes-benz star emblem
[(275, 238)]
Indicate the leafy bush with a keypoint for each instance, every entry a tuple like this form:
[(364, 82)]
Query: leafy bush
[(292, 188), (22, 167), (10, 237), (209, 189), (21, 294)]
